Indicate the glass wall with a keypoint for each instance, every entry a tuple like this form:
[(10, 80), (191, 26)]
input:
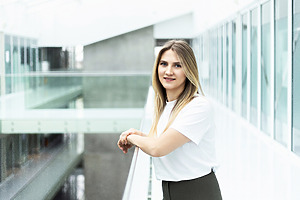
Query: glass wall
[(273, 67), (233, 71), (273, 80), (8, 62), (253, 72), (220, 63), (215, 67), (266, 68), (21, 56), (296, 78), (281, 60), (216, 72), (211, 64), (227, 62), (244, 63)]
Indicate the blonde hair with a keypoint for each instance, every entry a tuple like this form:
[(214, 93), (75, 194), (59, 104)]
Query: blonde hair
[(192, 85)]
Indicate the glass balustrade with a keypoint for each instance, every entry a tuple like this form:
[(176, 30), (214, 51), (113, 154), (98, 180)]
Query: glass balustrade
[(296, 78), (41, 90)]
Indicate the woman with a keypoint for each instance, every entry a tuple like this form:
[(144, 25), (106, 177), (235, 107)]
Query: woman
[(181, 139)]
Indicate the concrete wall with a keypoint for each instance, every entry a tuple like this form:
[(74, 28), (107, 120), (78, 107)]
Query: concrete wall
[(116, 91), (130, 52), (105, 166), (133, 51)]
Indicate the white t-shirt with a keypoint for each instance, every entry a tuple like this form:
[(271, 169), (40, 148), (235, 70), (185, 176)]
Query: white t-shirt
[(197, 157)]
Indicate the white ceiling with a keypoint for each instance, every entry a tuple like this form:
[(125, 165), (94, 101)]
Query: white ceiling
[(71, 22)]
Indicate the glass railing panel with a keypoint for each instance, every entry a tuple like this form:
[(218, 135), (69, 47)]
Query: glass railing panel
[(60, 102), (296, 79), (139, 180), (42, 105), (103, 90)]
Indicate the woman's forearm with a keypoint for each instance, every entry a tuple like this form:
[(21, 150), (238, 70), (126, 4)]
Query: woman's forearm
[(142, 134), (147, 144), (167, 142)]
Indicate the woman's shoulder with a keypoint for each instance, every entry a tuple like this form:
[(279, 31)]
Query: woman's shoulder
[(200, 102)]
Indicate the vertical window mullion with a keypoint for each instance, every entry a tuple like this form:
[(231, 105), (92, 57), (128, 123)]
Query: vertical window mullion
[(229, 67), (259, 68), (289, 73), (272, 71), (224, 64), (220, 62), (248, 66), (239, 63)]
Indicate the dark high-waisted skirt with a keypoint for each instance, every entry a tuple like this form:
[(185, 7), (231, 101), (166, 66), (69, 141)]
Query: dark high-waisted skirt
[(203, 188)]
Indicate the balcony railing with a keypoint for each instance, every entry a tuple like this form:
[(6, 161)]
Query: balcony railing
[(138, 185), (102, 102), (67, 103)]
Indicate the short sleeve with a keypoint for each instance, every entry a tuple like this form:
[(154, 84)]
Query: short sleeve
[(195, 119)]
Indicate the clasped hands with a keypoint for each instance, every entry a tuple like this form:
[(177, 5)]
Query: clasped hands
[(124, 144)]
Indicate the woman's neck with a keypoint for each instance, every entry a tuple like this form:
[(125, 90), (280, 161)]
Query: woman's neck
[(171, 96)]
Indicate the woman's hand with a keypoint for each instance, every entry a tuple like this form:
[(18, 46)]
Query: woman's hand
[(124, 147), (123, 143)]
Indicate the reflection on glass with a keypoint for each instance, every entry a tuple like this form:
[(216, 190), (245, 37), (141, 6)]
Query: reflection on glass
[(213, 62), (253, 84), (210, 60), (15, 54), (8, 62), (7, 54), (244, 65), (216, 62), (281, 58), (233, 76), (28, 56), (21, 56), (296, 78), (34, 60), (102, 91), (265, 69), (227, 64), (220, 62)]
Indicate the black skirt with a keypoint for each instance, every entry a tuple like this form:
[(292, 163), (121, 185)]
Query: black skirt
[(203, 188)]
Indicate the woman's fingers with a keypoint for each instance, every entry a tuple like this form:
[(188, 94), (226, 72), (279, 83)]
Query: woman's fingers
[(124, 146), (125, 134), (123, 143)]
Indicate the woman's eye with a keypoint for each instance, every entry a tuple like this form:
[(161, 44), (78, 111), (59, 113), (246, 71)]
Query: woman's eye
[(178, 66), (163, 63)]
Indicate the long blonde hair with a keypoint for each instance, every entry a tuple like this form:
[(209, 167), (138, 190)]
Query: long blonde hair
[(192, 85)]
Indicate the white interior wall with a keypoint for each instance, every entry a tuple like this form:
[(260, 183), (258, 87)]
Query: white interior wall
[(178, 27)]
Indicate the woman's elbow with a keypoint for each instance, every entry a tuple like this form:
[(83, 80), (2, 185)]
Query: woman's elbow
[(157, 152)]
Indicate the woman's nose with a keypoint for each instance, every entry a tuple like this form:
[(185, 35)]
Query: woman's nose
[(169, 70)]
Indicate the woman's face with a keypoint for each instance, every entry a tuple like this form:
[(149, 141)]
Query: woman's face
[(171, 74)]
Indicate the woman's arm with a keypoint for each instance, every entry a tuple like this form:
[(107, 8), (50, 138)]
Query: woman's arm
[(161, 146), (132, 131), (123, 144)]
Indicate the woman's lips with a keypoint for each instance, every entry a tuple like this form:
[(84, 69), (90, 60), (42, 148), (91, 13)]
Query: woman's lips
[(169, 79)]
